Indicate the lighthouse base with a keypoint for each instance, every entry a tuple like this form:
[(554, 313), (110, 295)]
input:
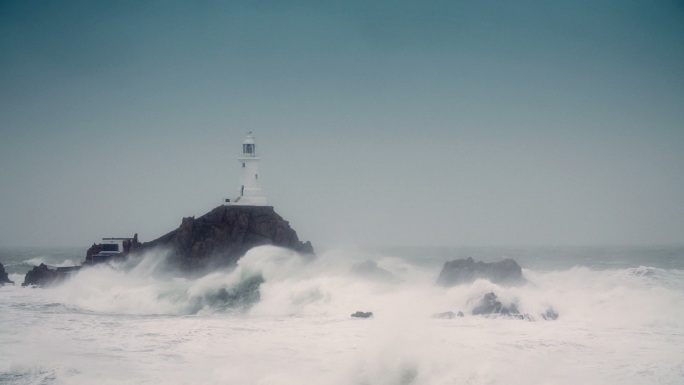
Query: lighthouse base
[(246, 201)]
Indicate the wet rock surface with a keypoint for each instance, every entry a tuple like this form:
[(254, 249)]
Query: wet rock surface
[(39, 276), (217, 239), (42, 275), (4, 277), (362, 314), (224, 235), (462, 271), (490, 306), (550, 315)]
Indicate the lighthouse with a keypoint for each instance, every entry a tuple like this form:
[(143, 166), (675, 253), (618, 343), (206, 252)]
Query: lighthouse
[(250, 191)]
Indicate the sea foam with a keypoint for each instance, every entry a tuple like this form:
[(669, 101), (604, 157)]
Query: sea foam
[(136, 323)]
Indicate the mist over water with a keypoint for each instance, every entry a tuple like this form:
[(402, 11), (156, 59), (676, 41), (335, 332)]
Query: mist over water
[(380, 123), (278, 318)]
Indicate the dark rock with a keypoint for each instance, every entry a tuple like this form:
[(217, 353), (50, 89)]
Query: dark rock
[(4, 278), (460, 314), (550, 315), (506, 272), (371, 271), (42, 276), (489, 304), (224, 235), (361, 314)]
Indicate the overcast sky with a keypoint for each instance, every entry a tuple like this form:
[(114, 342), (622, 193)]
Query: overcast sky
[(383, 123)]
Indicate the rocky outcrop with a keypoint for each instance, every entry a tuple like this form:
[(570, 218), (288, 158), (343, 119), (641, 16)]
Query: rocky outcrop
[(550, 314), (490, 306), (371, 271), (363, 314), (460, 271), (4, 278), (223, 235), (44, 276), (40, 276)]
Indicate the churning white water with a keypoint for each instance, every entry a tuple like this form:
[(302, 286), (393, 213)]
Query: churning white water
[(620, 323)]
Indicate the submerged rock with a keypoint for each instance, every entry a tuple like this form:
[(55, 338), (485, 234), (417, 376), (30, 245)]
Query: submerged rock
[(460, 271), (361, 314), (489, 304), (223, 235), (550, 315), (371, 271), (448, 315), (4, 278)]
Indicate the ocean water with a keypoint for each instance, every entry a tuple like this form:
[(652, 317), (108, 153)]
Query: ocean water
[(621, 320)]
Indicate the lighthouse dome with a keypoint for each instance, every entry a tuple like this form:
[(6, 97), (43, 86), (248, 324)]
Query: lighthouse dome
[(249, 139)]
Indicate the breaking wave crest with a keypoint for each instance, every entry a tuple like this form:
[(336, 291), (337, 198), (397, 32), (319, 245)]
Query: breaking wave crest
[(279, 318), (47, 261), (145, 286), (271, 281)]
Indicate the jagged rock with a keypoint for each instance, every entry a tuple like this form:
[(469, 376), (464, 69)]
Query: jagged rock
[(41, 276), (217, 238), (371, 271), (361, 314), (225, 234), (506, 272), (4, 278), (489, 304), (44, 276), (550, 315)]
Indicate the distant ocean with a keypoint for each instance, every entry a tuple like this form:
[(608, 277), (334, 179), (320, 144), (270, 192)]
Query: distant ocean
[(621, 320)]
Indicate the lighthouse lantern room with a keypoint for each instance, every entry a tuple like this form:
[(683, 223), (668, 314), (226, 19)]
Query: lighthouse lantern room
[(250, 191)]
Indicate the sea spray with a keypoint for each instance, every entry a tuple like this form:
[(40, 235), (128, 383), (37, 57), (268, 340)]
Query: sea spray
[(146, 286), (136, 325), (46, 260)]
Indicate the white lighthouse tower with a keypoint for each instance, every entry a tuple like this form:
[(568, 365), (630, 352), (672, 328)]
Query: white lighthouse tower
[(250, 190)]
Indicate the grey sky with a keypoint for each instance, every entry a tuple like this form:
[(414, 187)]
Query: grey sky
[(390, 123)]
